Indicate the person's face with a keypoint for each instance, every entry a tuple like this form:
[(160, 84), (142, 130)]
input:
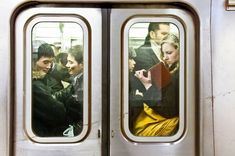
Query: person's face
[(170, 53), (44, 64), (73, 66), (159, 34), (131, 63)]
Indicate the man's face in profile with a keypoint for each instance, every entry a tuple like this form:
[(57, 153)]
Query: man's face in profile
[(158, 35), (44, 64)]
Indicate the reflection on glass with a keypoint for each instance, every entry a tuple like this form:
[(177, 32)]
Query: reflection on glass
[(154, 79), (57, 79)]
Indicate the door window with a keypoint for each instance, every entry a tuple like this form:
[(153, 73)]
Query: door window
[(58, 110), (154, 51)]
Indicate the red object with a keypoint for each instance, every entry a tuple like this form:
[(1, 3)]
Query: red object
[(160, 75)]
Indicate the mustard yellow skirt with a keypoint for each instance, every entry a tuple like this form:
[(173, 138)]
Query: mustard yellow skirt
[(150, 123)]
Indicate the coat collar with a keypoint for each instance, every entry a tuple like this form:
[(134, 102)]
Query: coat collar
[(38, 74)]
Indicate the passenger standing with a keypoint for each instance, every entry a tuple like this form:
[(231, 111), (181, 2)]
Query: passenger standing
[(135, 95), (160, 115), (56, 74), (75, 102), (149, 53), (49, 116)]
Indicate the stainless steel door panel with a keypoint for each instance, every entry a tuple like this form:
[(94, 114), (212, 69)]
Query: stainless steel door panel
[(24, 145), (223, 36), (119, 143), (198, 137)]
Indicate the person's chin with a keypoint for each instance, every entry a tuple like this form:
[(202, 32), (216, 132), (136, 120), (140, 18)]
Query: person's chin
[(169, 63), (45, 71)]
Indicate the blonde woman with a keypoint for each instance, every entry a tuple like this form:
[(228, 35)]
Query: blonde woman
[(160, 115)]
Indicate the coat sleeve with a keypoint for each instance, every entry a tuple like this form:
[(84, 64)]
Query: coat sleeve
[(164, 101), (64, 94), (74, 103)]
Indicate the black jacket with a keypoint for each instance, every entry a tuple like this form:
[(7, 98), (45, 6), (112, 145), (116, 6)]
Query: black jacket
[(74, 103), (53, 112), (135, 101), (164, 101), (72, 97), (145, 57), (49, 116), (54, 77)]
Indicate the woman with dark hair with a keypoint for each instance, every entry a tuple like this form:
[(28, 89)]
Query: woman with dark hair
[(53, 112), (135, 95), (75, 101)]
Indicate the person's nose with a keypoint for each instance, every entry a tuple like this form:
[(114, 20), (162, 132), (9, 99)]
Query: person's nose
[(48, 66), (67, 65), (165, 57)]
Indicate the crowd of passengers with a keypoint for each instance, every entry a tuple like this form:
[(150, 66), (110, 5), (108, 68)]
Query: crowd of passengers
[(57, 87), (57, 92), (154, 83)]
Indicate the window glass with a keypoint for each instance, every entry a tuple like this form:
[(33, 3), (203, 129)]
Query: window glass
[(153, 67), (57, 79)]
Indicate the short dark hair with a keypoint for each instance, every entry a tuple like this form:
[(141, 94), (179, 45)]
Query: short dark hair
[(62, 58), (154, 26), (77, 53), (45, 50)]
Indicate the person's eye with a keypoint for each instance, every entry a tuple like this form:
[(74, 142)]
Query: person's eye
[(164, 33), (46, 62)]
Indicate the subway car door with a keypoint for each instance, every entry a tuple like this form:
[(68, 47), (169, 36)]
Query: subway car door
[(136, 111), (110, 79), (45, 124)]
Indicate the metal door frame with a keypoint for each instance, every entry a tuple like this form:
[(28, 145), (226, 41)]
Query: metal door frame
[(11, 9)]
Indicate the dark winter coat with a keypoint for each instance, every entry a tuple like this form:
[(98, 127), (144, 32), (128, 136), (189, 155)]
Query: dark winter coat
[(164, 101), (49, 116), (54, 77), (145, 57), (53, 112)]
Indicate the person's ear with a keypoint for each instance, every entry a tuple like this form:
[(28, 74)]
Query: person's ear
[(152, 34)]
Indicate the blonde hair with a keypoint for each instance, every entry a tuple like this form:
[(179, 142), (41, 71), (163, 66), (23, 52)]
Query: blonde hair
[(174, 41)]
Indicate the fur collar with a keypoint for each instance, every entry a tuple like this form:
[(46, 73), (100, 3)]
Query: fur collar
[(38, 74)]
